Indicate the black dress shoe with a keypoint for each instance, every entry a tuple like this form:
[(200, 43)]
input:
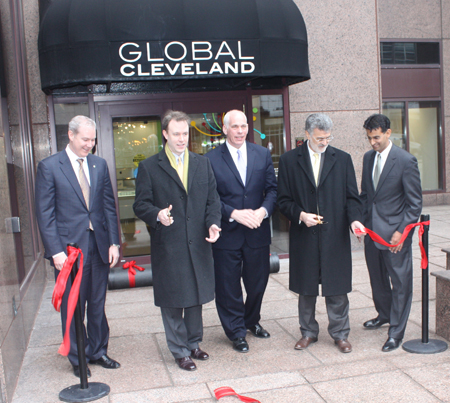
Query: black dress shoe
[(106, 362), (76, 371), (258, 331), (391, 344), (374, 323), (241, 345), (199, 354), (186, 363)]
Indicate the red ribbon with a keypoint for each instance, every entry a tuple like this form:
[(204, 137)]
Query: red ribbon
[(132, 266), (376, 238), (60, 287), (227, 391)]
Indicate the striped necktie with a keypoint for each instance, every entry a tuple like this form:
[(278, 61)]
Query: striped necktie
[(84, 184)]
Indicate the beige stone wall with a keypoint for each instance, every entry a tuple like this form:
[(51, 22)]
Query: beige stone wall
[(345, 74), (419, 19), (423, 19)]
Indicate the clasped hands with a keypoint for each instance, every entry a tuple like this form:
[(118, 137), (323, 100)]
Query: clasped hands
[(248, 217), (166, 219)]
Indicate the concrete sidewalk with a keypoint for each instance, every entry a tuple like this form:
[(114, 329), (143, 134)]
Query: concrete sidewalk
[(272, 371)]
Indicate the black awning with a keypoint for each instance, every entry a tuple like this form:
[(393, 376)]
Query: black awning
[(179, 45)]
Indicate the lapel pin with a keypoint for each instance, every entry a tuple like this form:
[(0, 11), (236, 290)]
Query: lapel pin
[(93, 166)]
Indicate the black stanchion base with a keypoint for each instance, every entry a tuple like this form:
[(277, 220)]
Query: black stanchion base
[(432, 347), (94, 391)]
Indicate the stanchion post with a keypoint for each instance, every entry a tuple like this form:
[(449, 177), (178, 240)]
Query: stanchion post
[(425, 282), (424, 345), (79, 332), (83, 392)]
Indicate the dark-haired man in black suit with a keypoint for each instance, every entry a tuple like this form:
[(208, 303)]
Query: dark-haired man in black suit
[(392, 198)]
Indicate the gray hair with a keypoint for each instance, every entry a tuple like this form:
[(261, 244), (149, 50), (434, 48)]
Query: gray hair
[(80, 120), (318, 121), (226, 119), (178, 116)]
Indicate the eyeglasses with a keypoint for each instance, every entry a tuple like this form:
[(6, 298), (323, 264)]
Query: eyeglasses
[(320, 139)]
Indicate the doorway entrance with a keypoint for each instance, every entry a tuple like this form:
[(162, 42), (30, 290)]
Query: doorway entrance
[(129, 130)]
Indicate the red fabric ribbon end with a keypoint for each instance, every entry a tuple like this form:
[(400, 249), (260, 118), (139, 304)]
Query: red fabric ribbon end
[(376, 238), (132, 266), (60, 287), (227, 391)]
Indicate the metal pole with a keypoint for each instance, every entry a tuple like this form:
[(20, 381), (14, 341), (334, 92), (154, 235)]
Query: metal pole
[(425, 282), (424, 345), (79, 332), (83, 392)]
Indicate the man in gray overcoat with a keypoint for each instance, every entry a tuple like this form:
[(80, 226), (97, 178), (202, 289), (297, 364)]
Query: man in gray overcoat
[(176, 196), (317, 192)]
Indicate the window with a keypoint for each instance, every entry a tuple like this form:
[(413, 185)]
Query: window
[(415, 126), (410, 53)]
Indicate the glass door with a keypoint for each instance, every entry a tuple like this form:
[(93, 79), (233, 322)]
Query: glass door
[(131, 132)]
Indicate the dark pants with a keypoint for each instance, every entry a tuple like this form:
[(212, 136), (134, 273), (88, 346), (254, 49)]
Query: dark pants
[(391, 278), (93, 293), (184, 329), (253, 266), (337, 310)]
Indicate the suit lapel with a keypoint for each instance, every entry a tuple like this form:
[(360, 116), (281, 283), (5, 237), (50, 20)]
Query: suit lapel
[(370, 170), (388, 165), (330, 160), (250, 162), (93, 177), (69, 173), (305, 162), (193, 165), (164, 163), (229, 161)]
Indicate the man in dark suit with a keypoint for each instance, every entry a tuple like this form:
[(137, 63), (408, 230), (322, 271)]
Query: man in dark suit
[(317, 192), (75, 203), (176, 197), (392, 199), (247, 187)]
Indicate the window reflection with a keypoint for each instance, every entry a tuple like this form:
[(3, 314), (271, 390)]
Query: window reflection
[(205, 132), (135, 139)]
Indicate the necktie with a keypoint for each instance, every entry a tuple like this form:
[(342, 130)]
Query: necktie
[(242, 168), (84, 184), (316, 166), (180, 169), (377, 172)]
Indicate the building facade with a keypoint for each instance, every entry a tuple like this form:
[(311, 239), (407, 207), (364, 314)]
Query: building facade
[(365, 56)]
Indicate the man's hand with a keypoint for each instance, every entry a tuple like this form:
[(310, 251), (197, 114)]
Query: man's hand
[(165, 217), (247, 217), (395, 240), (260, 214), (113, 255), (310, 219), (214, 233), (357, 224), (59, 259)]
